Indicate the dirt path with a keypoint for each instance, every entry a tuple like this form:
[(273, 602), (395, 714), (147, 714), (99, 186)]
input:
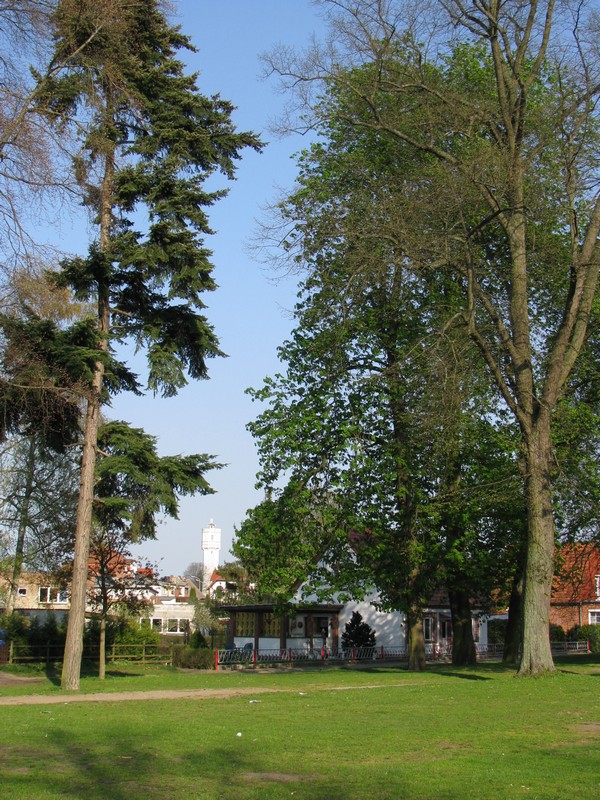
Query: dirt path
[(158, 694), (115, 697)]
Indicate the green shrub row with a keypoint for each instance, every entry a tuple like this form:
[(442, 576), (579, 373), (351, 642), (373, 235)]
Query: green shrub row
[(590, 633), (27, 631), (193, 657)]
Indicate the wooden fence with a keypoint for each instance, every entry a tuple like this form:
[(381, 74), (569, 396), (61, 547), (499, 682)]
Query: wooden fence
[(16, 653)]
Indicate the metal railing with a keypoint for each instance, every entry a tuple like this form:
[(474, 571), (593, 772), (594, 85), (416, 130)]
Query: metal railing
[(434, 652), (15, 653)]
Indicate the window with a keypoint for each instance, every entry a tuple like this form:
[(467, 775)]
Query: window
[(172, 625), (157, 624), (22, 592), (244, 623), (446, 629), (271, 625), (320, 627), (428, 628), (594, 617), (48, 594), (597, 583)]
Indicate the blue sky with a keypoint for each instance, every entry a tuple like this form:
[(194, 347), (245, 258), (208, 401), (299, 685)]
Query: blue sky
[(250, 312)]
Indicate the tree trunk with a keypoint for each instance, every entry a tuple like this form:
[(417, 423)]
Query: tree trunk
[(539, 565), (74, 642), (102, 652), (22, 530), (416, 640), (514, 626), (463, 644)]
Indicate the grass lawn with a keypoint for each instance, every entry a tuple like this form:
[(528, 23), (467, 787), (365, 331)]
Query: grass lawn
[(336, 734)]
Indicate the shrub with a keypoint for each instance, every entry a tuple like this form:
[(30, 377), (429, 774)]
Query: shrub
[(357, 633), (198, 640), (557, 633), (129, 631), (188, 657), (121, 631), (590, 633), (17, 631), (496, 631)]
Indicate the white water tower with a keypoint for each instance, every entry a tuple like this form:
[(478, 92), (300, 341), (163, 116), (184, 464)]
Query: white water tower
[(211, 545)]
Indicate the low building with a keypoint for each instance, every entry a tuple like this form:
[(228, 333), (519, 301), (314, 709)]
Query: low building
[(576, 587), (311, 625), (170, 610)]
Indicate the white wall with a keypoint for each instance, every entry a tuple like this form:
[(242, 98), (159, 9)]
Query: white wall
[(388, 625)]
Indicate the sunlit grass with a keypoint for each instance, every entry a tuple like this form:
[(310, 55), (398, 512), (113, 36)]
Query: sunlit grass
[(382, 734)]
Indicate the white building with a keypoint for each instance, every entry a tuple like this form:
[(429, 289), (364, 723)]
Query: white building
[(211, 546)]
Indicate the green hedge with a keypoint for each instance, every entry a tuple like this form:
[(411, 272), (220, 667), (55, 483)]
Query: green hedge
[(188, 657), (590, 633)]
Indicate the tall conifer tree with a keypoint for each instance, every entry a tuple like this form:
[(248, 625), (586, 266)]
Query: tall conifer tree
[(150, 140)]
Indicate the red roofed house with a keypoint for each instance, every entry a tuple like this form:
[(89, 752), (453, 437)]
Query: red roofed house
[(576, 588)]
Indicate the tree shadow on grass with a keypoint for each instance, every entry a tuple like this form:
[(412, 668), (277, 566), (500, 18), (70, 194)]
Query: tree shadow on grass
[(464, 675), (53, 673), (122, 766)]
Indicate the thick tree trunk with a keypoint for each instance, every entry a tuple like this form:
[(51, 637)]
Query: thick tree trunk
[(539, 565), (416, 641), (463, 644)]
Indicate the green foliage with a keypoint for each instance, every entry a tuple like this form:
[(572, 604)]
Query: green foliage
[(38, 487), (357, 633), (587, 633), (557, 633), (198, 640), (135, 484), (496, 630), (187, 657), (121, 631), (16, 626), (39, 361), (410, 195), (382, 425), (282, 540), (136, 103)]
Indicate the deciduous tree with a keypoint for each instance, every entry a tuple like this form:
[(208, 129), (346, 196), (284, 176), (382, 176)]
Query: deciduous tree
[(501, 99)]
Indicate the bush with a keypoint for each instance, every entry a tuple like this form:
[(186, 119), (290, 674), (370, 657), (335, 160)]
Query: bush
[(496, 631), (121, 631), (590, 633), (357, 633), (197, 640), (557, 633), (188, 657), (129, 631)]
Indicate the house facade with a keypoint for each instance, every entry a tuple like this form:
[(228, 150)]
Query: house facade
[(170, 610), (576, 587), (311, 626)]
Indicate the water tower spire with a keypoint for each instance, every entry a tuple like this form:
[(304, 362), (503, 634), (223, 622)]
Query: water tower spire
[(211, 545)]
